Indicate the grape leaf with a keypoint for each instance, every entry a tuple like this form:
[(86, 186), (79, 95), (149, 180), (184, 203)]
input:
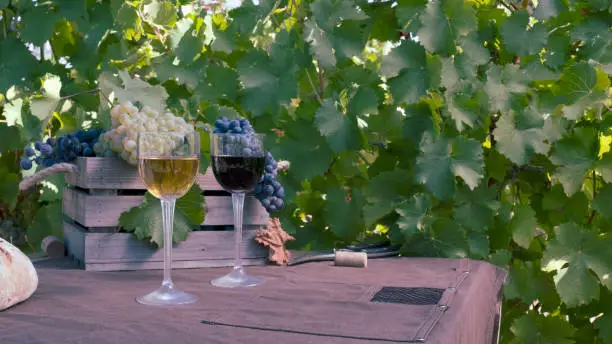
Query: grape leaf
[(268, 81), (406, 67), (573, 254), (408, 13), (12, 112), (604, 326), (321, 44), (523, 225), (127, 17), (528, 283), (16, 64), (9, 187), (344, 41), (474, 50), (478, 244), (52, 188), (340, 130), (182, 26), (604, 166), (383, 194), (412, 212), (305, 149), (565, 209), (595, 34), (160, 13), (602, 201), (466, 108), (349, 39), (44, 106), (557, 50), (49, 220), (167, 70), (443, 240), (408, 54), (519, 38), (39, 23), (549, 8), (581, 88), (224, 41), (344, 216), (75, 11), (575, 155), (330, 13), (189, 47), (601, 5), (516, 144), (381, 15), (134, 90), (441, 160), (146, 222), (502, 83), (474, 209), (443, 22), (417, 122), (365, 101), (538, 329), (11, 138)]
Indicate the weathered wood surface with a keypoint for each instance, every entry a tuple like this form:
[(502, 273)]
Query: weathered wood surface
[(104, 211), (122, 251), (114, 173)]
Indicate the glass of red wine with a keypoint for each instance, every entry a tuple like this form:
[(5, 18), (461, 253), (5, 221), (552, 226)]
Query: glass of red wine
[(238, 162)]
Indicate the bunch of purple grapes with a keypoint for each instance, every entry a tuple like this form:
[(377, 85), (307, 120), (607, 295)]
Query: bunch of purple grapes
[(234, 126), (268, 191), (63, 149)]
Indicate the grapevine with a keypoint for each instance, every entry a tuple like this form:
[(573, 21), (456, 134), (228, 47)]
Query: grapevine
[(456, 128)]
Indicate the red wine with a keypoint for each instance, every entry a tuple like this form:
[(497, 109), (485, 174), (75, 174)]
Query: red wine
[(238, 173)]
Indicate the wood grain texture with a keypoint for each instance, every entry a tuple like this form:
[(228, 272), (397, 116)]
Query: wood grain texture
[(121, 251), (114, 173), (104, 211)]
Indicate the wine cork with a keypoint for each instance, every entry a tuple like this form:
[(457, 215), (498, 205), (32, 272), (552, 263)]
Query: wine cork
[(53, 247), (351, 259)]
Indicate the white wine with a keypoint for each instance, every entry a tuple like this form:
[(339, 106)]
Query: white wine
[(168, 177)]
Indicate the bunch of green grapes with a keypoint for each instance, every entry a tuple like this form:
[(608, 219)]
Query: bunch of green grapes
[(128, 122)]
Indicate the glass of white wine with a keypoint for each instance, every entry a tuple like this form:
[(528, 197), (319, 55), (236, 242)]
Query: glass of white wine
[(168, 165)]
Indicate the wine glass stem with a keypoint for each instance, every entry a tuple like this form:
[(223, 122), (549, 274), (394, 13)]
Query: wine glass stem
[(168, 219), (238, 204)]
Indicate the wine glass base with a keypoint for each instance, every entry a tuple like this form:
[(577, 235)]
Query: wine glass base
[(237, 279), (167, 296)]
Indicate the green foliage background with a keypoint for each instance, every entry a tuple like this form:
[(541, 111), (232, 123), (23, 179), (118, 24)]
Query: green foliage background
[(457, 128)]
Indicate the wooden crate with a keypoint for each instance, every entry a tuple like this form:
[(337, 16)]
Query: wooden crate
[(106, 187)]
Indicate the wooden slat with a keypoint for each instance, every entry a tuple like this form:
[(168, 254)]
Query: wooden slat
[(104, 211), (121, 251), (114, 173)]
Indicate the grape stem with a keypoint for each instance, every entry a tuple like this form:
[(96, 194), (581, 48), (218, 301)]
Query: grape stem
[(360, 153), (95, 90), (512, 175), (313, 87), (506, 6)]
